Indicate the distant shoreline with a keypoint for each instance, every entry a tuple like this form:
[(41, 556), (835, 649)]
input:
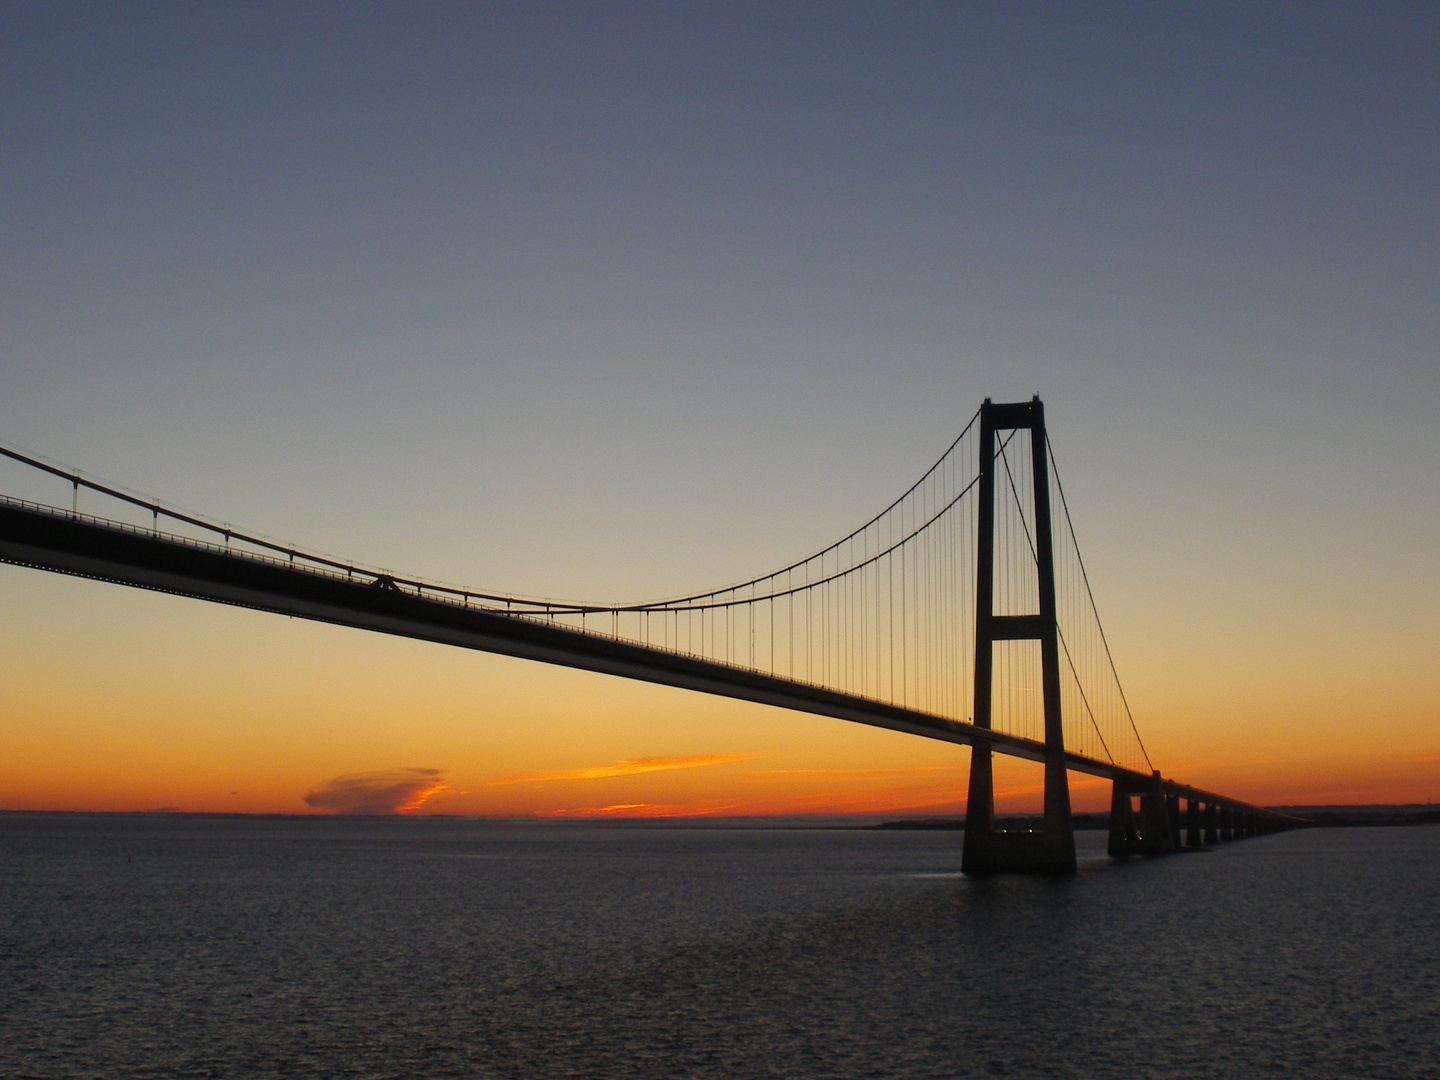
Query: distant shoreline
[(1321, 817)]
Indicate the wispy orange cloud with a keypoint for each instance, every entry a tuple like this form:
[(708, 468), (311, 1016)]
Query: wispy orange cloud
[(628, 767), (856, 773), (391, 791), (703, 808)]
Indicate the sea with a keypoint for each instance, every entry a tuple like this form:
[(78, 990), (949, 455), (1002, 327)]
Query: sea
[(191, 946)]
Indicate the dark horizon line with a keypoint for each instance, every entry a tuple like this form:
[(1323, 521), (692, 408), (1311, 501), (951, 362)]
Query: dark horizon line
[(1373, 808)]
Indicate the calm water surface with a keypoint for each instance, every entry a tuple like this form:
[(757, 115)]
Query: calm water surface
[(219, 947)]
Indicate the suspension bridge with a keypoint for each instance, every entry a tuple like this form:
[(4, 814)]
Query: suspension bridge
[(961, 612)]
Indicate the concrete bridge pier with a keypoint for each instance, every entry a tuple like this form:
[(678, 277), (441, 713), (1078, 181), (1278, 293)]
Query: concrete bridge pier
[(1172, 819), (1124, 833), (1212, 824), (1143, 831), (1192, 825), (1227, 826)]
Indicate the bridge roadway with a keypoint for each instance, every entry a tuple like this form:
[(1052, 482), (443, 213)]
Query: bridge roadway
[(48, 538)]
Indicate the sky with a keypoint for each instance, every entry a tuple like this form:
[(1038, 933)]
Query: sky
[(620, 301)]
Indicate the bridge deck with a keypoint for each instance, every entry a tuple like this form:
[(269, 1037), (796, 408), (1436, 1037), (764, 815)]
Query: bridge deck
[(51, 539)]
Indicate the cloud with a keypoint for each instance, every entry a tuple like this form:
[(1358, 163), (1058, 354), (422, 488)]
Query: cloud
[(703, 808), (390, 791), (850, 774), (629, 767)]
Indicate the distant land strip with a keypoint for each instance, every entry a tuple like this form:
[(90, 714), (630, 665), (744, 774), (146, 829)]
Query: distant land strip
[(1324, 817)]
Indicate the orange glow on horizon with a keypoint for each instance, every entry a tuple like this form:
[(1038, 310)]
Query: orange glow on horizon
[(705, 785)]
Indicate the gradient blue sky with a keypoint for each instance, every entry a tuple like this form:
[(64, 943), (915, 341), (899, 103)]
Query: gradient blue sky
[(615, 301)]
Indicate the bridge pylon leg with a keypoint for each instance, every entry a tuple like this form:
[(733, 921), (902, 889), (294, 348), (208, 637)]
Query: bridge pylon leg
[(990, 850), (1212, 824), (1051, 849)]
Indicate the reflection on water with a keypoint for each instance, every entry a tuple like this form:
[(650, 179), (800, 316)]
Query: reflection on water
[(182, 946)]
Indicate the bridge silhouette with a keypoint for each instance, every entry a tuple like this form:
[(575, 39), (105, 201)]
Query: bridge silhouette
[(961, 612)]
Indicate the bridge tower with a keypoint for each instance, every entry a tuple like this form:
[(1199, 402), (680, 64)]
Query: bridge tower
[(1052, 847)]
